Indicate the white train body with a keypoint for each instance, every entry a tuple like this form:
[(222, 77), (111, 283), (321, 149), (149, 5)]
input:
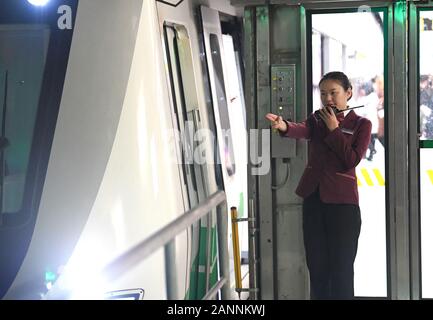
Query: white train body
[(113, 177)]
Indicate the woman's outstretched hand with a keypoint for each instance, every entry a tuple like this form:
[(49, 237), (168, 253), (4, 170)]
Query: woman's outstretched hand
[(277, 122)]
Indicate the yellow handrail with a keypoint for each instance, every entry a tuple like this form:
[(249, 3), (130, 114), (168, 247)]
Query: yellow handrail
[(236, 253)]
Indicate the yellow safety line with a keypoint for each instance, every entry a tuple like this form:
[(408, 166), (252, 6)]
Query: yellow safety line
[(430, 174), (367, 177), (379, 177)]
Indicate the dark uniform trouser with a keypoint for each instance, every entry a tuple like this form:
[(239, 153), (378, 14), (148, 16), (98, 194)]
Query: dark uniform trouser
[(331, 234)]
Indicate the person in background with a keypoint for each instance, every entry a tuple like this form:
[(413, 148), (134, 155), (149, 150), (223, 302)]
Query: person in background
[(331, 213), (368, 98), (373, 102), (378, 85), (426, 106)]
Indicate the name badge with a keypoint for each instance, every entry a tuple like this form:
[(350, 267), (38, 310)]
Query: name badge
[(348, 131)]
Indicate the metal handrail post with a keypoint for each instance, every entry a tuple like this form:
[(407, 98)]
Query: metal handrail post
[(170, 269), (214, 290), (223, 251), (252, 251)]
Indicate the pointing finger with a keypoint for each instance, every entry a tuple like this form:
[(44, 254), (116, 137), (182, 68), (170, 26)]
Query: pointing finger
[(271, 117)]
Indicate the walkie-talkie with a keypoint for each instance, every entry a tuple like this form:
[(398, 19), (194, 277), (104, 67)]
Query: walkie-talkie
[(336, 111)]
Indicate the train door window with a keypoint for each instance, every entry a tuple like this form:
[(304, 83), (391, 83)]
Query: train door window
[(426, 76), (228, 153), (185, 107), (357, 49), (202, 242), (426, 150), (23, 53), (237, 117)]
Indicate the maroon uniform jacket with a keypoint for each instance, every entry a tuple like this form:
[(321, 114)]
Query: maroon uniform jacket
[(332, 156)]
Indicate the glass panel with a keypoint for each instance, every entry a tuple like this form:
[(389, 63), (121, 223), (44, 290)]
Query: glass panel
[(222, 105), (426, 155), (185, 160), (23, 51), (181, 97), (426, 192), (357, 49), (426, 75)]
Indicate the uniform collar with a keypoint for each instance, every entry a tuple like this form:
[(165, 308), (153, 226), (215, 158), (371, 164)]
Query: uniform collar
[(350, 117), (344, 113), (341, 116)]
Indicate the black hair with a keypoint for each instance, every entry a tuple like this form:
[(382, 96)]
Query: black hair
[(340, 77), (423, 78)]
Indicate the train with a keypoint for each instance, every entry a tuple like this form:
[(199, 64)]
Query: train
[(122, 120), (100, 99)]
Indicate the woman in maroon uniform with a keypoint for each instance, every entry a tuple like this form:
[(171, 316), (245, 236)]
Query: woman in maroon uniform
[(331, 214)]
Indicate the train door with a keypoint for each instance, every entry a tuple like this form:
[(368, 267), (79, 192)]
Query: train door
[(187, 121), (193, 117), (359, 51), (404, 129), (289, 47), (176, 49), (223, 62), (420, 117)]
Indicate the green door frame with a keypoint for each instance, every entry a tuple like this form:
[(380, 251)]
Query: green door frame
[(397, 187)]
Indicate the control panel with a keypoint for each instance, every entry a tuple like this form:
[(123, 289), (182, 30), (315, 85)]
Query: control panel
[(283, 99)]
